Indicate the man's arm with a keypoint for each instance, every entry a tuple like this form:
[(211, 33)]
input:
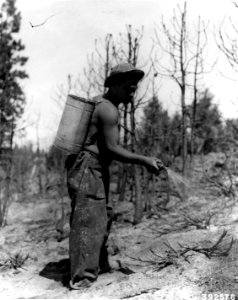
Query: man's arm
[(108, 119)]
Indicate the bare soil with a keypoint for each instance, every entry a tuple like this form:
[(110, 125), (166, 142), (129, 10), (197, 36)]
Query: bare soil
[(149, 259)]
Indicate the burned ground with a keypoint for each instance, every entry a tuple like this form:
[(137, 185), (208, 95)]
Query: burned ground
[(182, 251)]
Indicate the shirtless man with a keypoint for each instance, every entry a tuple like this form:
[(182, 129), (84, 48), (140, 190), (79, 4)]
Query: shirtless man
[(88, 178)]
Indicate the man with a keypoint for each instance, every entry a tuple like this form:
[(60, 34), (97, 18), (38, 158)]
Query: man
[(88, 178)]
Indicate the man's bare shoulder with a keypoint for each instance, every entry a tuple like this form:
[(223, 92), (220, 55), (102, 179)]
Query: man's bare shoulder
[(107, 112)]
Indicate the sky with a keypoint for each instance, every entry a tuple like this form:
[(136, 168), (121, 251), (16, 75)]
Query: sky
[(60, 47)]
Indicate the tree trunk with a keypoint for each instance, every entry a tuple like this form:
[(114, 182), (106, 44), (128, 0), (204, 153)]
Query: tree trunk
[(184, 136), (123, 183), (136, 175), (138, 199), (147, 194)]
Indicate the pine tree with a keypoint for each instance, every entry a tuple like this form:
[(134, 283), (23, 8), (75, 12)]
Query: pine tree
[(154, 129), (12, 98), (208, 128)]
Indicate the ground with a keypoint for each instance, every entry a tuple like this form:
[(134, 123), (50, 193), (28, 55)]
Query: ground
[(166, 256)]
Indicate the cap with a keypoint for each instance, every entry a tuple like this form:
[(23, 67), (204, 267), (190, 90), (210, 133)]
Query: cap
[(123, 70)]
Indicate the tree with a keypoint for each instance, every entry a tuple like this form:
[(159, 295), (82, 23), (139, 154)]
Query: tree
[(153, 138), (154, 129), (12, 98), (22, 165), (132, 43), (197, 73), (208, 127), (175, 144), (99, 63), (230, 137), (184, 64), (227, 41)]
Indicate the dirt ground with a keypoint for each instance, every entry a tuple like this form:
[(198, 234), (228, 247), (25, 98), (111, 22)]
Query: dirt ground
[(166, 256)]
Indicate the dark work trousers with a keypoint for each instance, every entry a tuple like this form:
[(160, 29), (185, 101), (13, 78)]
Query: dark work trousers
[(91, 217)]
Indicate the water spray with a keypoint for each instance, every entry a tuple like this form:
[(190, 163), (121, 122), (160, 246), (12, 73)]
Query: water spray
[(181, 183)]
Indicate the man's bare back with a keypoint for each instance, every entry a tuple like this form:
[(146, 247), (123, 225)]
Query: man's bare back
[(105, 115)]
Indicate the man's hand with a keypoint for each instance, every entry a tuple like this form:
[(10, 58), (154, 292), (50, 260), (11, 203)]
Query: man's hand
[(154, 165)]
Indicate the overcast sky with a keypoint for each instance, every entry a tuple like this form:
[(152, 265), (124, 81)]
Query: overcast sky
[(60, 46)]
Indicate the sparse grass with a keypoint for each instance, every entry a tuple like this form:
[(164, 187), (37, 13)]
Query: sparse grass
[(200, 222), (15, 261), (159, 262), (172, 255), (218, 181), (215, 250), (164, 231)]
